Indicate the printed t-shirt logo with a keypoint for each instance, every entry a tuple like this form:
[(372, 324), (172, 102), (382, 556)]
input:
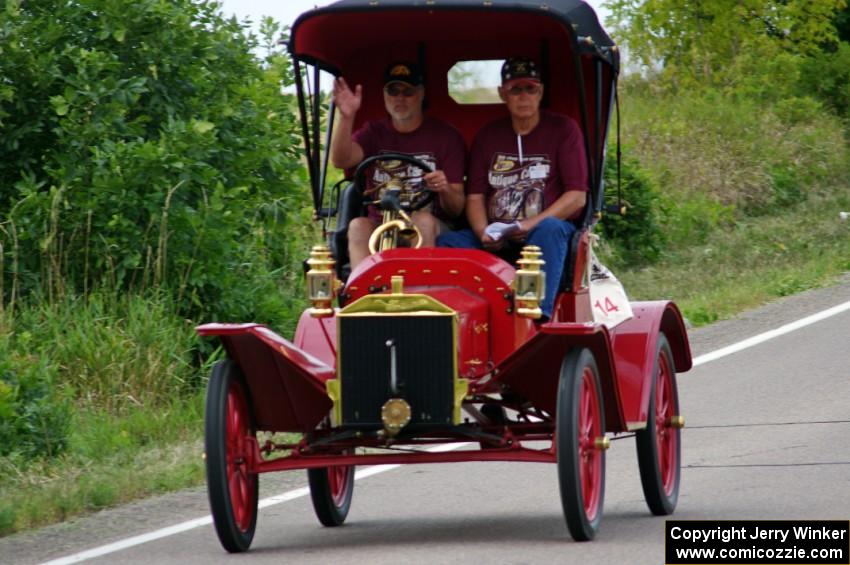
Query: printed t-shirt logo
[(517, 187), (502, 166)]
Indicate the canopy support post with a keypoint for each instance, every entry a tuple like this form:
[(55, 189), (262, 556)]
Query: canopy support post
[(305, 131), (579, 71)]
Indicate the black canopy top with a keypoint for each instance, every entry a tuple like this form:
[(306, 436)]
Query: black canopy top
[(574, 14)]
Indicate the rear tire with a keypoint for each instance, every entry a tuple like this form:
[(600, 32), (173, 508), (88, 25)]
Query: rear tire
[(232, 490), (659, 444), (331, 489), (581, 465)]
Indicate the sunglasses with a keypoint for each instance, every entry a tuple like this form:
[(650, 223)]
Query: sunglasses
[(397, 90), (518, 89)]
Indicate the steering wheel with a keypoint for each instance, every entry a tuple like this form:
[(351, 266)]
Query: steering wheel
[(417, 200)]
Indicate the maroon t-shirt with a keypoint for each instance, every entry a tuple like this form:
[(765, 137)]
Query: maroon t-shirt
[(521, 176), (434, 142)]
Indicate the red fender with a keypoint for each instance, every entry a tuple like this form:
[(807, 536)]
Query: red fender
[(535, 368), (317, 336), (634, 343), (286, 384)]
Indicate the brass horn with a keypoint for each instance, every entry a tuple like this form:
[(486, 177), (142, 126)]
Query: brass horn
[(397, 227)]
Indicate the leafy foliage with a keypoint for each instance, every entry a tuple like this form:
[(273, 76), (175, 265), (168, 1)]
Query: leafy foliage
[(724, 42), (151, 173), (34, 415), (144, 145), (827, 75), (636, 237)]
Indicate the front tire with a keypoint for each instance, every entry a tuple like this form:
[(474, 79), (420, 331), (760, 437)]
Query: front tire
[(659, 444), (331, 489), (581, 462), (232, 490)]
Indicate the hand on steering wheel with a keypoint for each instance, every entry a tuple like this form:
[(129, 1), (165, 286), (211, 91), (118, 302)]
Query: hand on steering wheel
[(418, 199)]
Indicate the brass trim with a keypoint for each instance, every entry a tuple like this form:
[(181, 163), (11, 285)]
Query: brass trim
[(461, 391), (334, 391), (397, 283), (602, 443), (321, 282), (395, 414), (396, 225), (396, 304), (400, 304), (676, 421), (529, 284)]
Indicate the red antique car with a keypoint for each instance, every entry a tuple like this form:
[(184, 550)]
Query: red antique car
[(422, 347)]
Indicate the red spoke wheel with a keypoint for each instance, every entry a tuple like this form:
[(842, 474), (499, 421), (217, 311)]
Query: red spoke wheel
[(232, 489), (659, 444), (581, 462), (331, 489)]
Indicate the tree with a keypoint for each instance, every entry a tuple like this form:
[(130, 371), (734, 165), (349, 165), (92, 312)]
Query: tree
[(708, 42), (144, 144)]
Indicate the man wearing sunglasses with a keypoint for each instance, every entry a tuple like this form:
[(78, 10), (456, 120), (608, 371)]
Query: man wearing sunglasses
[(527, 179), (406, 130)]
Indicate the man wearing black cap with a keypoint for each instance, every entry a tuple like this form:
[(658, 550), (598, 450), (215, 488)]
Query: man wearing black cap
[(407, 130), (527, 179)]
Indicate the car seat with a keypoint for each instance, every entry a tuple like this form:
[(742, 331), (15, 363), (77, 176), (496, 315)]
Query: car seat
[(350, 205)]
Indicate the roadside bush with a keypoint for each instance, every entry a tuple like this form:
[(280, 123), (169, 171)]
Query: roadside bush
[(635, 238), (827, 75), (34, 414), (145, 145), (691, 220)]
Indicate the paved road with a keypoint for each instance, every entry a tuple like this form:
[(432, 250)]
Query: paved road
[(768, 436)]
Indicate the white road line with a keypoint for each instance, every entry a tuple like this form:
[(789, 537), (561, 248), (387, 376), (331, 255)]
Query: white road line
[(198, 522), (761, 338), (376, 469), (130, 542)]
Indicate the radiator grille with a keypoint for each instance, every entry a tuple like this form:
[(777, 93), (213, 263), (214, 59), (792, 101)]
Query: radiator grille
[(425, 368)]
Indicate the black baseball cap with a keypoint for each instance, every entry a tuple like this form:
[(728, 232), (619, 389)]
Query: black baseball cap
[(408, 73), (517, 68)]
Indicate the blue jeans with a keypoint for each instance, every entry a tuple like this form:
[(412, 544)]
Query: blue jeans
[(552, 236)]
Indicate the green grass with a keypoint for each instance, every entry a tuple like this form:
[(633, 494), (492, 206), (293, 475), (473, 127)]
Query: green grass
[(133, 374), (127, 368), (110, 460), (713, 155), (749, 198), (750, 262), (112, 352)]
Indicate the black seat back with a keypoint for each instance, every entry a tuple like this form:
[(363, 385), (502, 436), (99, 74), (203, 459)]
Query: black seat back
[(351, 205)]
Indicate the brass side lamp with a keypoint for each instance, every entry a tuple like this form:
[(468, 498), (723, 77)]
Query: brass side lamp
[(322, 284), (530, 283)]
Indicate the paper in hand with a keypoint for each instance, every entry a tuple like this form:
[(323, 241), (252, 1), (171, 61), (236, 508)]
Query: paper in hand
[(498, 230)]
